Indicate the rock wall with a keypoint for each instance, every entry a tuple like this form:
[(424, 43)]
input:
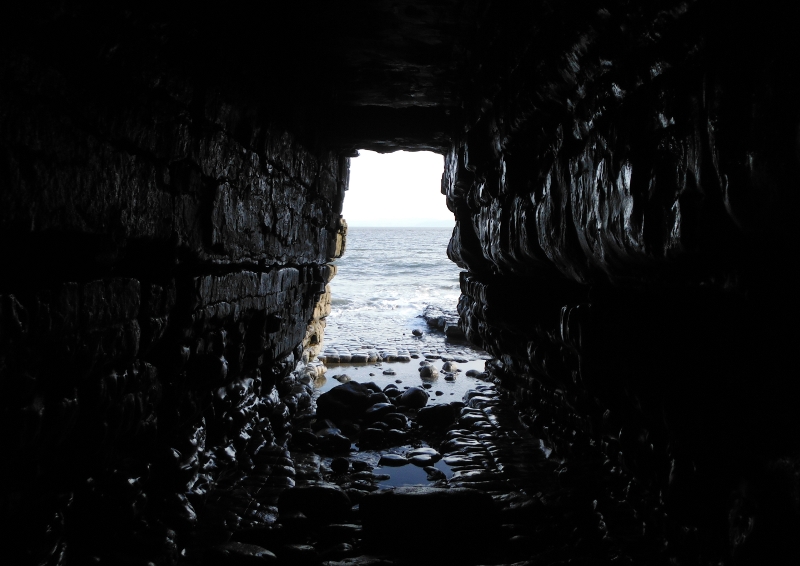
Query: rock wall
[(164, 251), (624, 193)]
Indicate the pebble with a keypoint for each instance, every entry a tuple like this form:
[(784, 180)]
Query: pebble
[(428, 371), (416, 332), (472, 372), (388, 372), (449, 366)]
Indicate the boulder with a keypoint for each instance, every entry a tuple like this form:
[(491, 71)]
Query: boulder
[(413, 398), (347, 401)]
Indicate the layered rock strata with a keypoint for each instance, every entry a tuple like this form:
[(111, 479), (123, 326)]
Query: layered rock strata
[(621, 196), (165, 251)]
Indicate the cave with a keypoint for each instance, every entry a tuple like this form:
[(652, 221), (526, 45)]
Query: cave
[(171, 186)]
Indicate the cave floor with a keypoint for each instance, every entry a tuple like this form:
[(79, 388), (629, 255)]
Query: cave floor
[(540, 510)]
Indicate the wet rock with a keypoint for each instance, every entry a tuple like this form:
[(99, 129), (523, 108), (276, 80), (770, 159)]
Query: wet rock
[(360, 465), (332, 441), (349, 428), (336, 552), (304, 436), (395, 436), (371, 437), (239, 553), (389, 372), (425, 451), (422, 460), (449, 366), (413, 398), (340, 465), (378, 411), (397, 420), (320, 502), (392, 460), (428, 372), (437, 416), (416, 332), (472, 372), (348, 400), (434, 473), (319, 423)]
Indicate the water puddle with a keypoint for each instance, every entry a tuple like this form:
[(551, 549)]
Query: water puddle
[(410, 475)]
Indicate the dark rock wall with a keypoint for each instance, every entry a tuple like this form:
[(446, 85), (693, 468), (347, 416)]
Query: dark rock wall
[(164, 250), (624, 194)]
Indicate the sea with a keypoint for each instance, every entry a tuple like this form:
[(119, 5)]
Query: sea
[(385, 280), (387, 277)]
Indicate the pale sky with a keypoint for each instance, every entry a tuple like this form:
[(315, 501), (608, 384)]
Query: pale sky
[(396, 189)]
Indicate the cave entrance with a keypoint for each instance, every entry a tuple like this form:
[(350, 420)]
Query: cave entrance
[(394, 297)]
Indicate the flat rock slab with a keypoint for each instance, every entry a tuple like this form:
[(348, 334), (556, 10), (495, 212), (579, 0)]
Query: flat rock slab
[(455, 514)]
